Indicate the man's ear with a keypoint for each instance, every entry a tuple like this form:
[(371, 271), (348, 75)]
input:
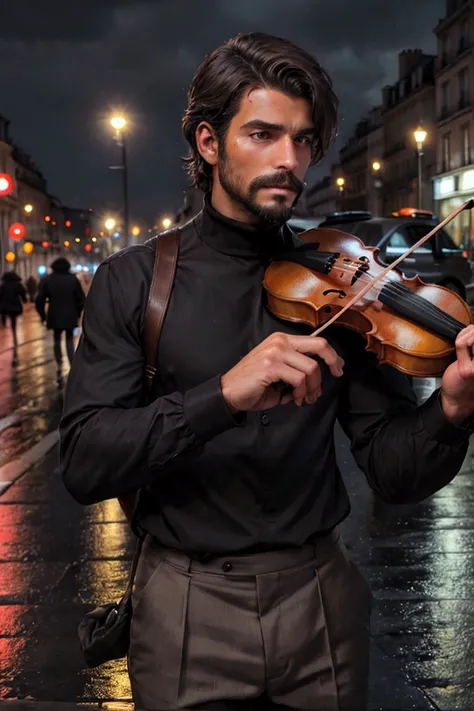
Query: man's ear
[(207, 143)]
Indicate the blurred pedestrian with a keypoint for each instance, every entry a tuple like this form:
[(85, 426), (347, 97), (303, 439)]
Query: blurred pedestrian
[(63, 293), (31, 287), (12, 297)]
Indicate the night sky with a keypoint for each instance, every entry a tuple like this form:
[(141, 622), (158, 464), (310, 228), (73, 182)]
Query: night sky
[(65, 65)]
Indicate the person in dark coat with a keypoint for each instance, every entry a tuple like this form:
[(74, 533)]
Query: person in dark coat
[(63, 293), (31, 287), (12, 297)]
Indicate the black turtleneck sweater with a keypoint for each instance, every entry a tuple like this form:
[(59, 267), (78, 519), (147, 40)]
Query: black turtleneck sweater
[(215, 483)]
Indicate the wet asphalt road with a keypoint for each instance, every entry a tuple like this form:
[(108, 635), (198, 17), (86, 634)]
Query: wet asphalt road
[(58, 559)]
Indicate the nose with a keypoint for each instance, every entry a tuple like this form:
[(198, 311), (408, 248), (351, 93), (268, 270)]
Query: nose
[(286, 155)]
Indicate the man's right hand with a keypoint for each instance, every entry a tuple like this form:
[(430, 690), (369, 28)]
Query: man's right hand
[(249, 385)]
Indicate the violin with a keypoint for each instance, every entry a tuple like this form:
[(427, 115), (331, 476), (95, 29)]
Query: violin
[(333, 278)]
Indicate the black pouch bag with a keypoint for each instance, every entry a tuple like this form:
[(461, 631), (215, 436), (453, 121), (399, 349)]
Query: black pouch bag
[(104, 633)]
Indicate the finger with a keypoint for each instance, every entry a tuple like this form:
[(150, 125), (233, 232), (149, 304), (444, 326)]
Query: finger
[(465, 335), (293, 377), (313, 374), (464, 352), (308, 366), (313, 386), (300, 361), (321, 348)]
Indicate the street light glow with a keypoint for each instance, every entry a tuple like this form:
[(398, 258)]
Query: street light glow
[(118, 122), (109, 224), (28, 208), (376, 165), (6, 184), (166, 223), (135, 231), (340, 182), (420, 135)]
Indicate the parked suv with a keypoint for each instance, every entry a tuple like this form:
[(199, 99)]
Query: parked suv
[(438, 261)]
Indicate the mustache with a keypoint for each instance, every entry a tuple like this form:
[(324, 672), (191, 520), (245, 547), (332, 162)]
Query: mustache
[(278, 180)]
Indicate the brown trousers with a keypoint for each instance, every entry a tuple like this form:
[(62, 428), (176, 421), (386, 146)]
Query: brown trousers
[(291, 624)]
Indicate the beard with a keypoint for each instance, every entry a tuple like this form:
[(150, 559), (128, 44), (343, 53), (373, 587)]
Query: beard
[(278, 211)]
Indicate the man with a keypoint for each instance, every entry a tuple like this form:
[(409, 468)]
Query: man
[(245, 590), (63, 293)]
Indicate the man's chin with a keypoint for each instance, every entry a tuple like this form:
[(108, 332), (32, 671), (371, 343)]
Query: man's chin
[(274, 212)]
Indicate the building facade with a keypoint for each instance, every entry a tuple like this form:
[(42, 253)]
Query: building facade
[(375, 166), (379, 166), (50, 228), (36, 211), (454, 179), (321, 197), (361, 164), (8, 203), (407, 104), (353, 161)]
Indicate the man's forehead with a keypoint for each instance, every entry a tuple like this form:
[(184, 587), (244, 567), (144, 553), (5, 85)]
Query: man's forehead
[(274, 107)]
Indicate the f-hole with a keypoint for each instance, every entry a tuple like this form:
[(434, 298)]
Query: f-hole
[(341, 294)]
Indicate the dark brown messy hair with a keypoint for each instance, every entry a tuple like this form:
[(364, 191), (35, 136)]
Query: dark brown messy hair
[(254, 60)]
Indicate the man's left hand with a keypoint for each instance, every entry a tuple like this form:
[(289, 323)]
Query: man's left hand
[(457, 386)]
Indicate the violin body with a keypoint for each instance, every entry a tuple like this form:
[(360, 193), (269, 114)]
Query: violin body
[(414, 335)]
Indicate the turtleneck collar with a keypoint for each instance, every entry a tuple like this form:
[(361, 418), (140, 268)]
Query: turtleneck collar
[(239, 239)]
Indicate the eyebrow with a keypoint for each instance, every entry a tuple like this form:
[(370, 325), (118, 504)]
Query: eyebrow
[(257, 123)]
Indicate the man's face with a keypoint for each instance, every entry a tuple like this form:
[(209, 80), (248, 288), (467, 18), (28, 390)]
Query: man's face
[(266, 153)]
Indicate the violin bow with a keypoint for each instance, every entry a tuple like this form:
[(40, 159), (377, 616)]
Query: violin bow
[(467, 206)]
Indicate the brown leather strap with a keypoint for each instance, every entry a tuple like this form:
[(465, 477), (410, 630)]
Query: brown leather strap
[(164, 269), (166, 258)]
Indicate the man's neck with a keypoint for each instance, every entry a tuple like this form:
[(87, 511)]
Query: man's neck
[(223, 203)]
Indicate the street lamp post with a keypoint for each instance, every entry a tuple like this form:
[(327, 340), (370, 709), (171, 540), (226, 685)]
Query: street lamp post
[(420, 137), (340, 182), (375, 187), (119, 124)]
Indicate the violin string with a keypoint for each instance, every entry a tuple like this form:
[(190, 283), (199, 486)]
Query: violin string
[(406, 293), (423, 306), (403, 291)]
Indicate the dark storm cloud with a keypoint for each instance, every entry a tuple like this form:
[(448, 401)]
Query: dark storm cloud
[(65, 68), (45, 20)]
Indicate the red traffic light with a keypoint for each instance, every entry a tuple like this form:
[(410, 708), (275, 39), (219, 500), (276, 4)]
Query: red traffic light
[(16, 231), (88, 247), (6, 184), (68, 223), (45, 244)]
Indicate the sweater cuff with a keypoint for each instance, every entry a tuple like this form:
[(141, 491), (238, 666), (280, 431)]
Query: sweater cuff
[(206, 411), (438, 426)]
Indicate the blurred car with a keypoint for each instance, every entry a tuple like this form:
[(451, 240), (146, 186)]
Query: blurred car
[(301, 224), (438, 261)]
